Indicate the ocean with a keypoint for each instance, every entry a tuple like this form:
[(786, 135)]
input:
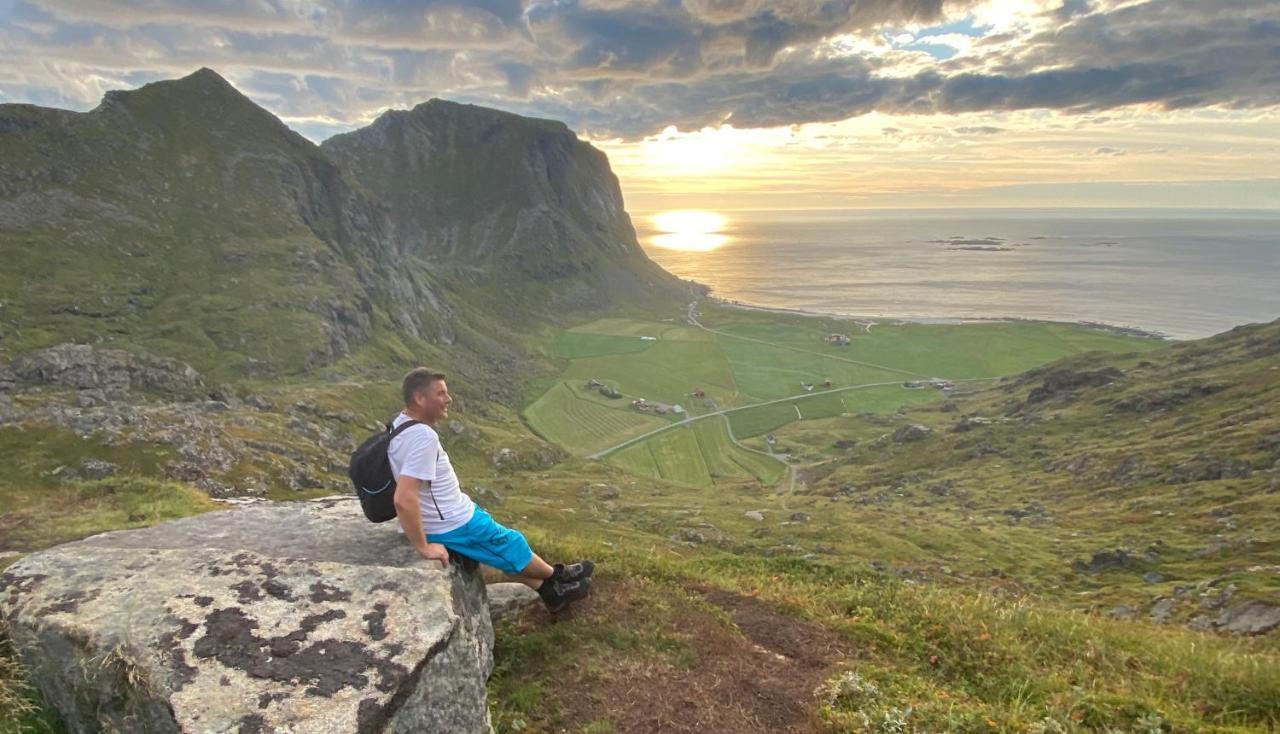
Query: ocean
[(1184, 274)]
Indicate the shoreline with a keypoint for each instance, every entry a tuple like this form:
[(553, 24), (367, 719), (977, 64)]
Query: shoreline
[(868, 320)]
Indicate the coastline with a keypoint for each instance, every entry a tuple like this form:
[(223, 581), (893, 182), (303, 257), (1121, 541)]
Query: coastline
[(868, 320)]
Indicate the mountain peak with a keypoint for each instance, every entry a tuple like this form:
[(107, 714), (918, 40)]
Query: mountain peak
[(200, 87)]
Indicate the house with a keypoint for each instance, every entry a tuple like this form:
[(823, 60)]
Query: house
[(649, 338), (697, 393), (838, 340), (594, 384), (806, 386), (677, 409), (641, 405)]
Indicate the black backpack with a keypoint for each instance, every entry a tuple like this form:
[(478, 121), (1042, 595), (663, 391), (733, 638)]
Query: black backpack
[(370, 472)]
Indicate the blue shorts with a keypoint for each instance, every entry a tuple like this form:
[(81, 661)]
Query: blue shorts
[(484, 540)]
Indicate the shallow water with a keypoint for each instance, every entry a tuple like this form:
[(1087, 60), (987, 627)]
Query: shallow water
[(1185, 274)]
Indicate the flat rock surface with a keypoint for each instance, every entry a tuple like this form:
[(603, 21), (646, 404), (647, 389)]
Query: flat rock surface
[(294, 617)]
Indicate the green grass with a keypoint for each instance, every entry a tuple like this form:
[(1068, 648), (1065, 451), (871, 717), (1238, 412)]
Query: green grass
[(756, 421), (758, 357), (575, 345), (667, 372), (821, 406), (565, 415), (699, 455), (936, 658)]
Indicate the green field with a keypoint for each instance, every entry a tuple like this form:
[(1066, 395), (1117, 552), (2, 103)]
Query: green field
[(575, 345), (742, 358), (698, 455), (566, 417)]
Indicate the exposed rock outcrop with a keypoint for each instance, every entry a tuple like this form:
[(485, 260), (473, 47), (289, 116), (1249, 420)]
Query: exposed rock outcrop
[(297, 617), (110, 372)]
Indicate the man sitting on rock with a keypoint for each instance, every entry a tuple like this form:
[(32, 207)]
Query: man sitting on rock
[(437, 517)]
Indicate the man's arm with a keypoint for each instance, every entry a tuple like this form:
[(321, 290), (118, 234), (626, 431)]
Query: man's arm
[(406, 502)]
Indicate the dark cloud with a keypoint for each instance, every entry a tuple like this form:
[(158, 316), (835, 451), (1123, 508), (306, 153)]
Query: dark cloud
[(979, 130), (634, 67)]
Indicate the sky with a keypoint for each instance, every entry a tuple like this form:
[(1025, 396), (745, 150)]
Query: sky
[(746, 104)]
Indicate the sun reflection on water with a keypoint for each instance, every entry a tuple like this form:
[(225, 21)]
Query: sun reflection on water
[(691, 230)]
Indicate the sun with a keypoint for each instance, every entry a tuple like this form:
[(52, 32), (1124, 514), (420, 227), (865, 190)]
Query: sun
[(692, 230)]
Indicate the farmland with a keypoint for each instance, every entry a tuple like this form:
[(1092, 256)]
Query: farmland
[(765, 371)]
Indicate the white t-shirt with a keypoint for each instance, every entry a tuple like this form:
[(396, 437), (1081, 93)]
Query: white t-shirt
[(417, 453)]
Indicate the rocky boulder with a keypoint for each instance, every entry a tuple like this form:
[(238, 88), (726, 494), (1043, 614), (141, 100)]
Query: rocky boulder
[(911, 432), (1061, 384), (111, 371), (297, 617)]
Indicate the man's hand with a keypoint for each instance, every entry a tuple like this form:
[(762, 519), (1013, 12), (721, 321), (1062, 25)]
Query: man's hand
[(435, 552)]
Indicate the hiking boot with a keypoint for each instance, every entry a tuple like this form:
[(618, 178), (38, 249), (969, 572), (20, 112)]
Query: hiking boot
[(557, 594), (573, 571)]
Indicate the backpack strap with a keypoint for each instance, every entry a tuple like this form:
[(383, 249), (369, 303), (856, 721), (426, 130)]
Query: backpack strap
[(400, 428)]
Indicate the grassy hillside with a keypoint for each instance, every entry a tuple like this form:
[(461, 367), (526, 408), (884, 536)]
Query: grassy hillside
[(937, 582)]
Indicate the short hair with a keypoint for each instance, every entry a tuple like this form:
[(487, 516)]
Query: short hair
[(418, 379)]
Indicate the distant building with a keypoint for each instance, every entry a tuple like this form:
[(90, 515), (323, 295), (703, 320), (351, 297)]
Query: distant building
[(697, 393), (649, 338), (806, 386), (838, 340)]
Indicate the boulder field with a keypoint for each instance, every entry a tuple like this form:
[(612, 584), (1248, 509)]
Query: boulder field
[(275, 617)]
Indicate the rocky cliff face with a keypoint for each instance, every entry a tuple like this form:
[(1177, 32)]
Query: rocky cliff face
[(278, 617), (467, 186)]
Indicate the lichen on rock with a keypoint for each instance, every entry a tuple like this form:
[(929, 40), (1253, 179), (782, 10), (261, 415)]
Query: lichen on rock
[(292, 617)]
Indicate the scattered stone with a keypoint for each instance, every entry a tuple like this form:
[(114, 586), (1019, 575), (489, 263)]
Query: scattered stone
[(485, 496), (257, 402), (1146, 402), (969, 423), (1203, 468), (1249, 618), (1061, 384), (504, 457), (510, 600), (1124, 611), (1152, 577), (1219, 600), (1162, 609), (97, 468), (1103, 561), (756, 515), (689, 535), (799, 517), (911, 432), (113, 371)]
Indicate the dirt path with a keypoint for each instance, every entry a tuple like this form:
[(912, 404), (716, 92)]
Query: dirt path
[(759, 675)]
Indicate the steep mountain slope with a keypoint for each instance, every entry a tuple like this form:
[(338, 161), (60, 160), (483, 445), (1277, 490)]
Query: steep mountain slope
[(183, 219), (186, 220), (523, 200)]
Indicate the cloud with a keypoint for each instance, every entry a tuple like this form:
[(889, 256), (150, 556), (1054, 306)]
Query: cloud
[(1108, 150), (629, 68), (979, 130)]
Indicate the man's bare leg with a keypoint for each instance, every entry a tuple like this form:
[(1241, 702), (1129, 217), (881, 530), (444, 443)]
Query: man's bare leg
[(535, 573)]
